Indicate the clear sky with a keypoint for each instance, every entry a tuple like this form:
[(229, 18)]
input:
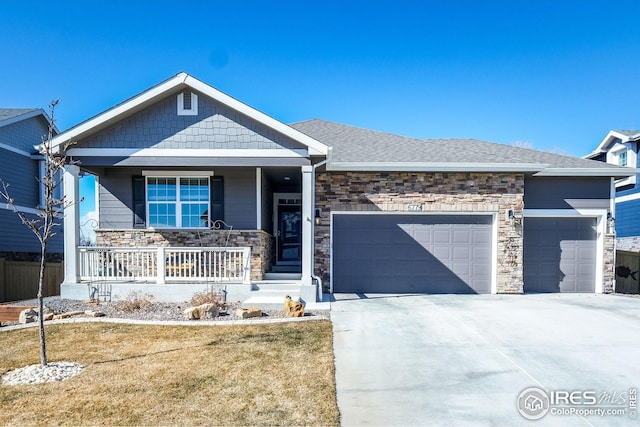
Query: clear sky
[(552, 74)]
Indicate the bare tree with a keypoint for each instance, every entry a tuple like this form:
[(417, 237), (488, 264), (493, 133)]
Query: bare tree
[(46, 221)]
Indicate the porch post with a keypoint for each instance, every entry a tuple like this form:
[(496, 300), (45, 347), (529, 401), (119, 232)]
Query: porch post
[(307, 217), (71, 223)]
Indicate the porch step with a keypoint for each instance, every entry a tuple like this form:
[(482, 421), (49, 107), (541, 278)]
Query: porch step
[(285, 269), (270, 300), (269, 295), (282, 276)]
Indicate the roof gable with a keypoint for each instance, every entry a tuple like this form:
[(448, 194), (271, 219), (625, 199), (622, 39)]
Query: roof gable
[(353, 148), (139, 103), (612, 138)]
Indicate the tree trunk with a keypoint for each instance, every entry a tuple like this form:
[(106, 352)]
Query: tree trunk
[(43, 344)]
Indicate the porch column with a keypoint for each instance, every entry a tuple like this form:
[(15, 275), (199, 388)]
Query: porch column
[(71, 223), (307, 217)]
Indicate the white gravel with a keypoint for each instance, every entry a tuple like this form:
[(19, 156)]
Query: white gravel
[(37, 374)]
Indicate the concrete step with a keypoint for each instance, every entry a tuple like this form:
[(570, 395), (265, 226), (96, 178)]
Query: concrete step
[(282, 276), (285, 285), (286, 269), (268, 300)]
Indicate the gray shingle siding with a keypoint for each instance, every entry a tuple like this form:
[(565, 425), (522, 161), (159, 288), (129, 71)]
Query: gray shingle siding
[(215, 126)]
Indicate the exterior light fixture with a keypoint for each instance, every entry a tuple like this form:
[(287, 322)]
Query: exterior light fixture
[(317, 218)]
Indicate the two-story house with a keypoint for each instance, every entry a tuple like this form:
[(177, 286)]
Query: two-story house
[(21, 130)]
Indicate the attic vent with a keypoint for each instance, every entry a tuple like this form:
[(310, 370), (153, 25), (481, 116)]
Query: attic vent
[(187, 104)]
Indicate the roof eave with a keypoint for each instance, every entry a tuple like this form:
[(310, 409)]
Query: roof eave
[(434, 167)]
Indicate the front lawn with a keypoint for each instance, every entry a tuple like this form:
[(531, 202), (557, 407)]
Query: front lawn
[(276, 374)]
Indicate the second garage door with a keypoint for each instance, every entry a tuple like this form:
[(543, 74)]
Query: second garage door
[(559, 254), (382, 253)]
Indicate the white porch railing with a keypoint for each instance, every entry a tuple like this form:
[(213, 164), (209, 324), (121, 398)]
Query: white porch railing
[(161, 265)]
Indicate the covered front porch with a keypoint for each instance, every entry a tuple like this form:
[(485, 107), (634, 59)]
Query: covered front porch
[(224, 256)]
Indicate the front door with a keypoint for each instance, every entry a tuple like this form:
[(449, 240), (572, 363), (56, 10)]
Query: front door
[(289, 239)]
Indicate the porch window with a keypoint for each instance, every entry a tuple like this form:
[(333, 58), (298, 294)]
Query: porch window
[(178, 202)]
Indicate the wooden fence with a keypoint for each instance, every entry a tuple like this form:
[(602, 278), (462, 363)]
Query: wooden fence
[(627, 272), (19, 279)]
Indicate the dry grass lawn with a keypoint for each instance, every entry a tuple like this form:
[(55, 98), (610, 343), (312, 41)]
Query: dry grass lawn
[(276, 374)]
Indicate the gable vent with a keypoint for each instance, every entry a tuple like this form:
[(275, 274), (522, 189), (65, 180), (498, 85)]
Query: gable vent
[(187, 104)]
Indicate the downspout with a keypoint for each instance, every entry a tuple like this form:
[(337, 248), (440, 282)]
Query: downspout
[(313, 229)]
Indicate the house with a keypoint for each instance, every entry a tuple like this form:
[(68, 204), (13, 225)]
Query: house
[(620, 147), (21, 130), (198, 190)]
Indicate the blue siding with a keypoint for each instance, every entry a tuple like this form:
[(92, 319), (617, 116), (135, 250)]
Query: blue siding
[(215, 126), (628, 219), (631, 189), (25, 133), (16, 237), (20, 172)]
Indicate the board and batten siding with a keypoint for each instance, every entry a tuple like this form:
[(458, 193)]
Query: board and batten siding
[(116, 197), (215, 127), (567, 193)]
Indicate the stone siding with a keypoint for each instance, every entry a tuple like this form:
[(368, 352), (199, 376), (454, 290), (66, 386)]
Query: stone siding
[(261, 243), (608, 268), (493, 193)]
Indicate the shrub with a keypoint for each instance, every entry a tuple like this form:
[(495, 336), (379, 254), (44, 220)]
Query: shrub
[(200, 298), (135, 301)]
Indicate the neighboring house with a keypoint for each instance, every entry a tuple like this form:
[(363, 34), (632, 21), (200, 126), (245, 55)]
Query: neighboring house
[(323, 206), (620, 147), (21, 130)]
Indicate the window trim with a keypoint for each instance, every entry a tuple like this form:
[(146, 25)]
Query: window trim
[(193, 111), (178, 203)]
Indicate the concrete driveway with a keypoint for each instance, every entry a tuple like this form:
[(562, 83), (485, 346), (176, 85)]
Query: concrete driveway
[(465, 359)]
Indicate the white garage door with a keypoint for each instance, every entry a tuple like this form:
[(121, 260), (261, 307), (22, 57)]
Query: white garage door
[(383, 253)]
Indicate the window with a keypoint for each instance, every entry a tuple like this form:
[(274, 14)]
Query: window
[(622, 158), (187, 104), (178, 202)]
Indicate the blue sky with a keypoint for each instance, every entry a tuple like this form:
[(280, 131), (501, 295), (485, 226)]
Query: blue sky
[(555, 75)]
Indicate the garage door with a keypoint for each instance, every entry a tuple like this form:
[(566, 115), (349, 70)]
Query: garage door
[(412, 253), (559, 254)]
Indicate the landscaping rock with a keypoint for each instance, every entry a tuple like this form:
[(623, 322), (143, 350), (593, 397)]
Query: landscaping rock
[(248, 312), (68, 314), (28, 316), (94, 313), (204, 311), (47, 313), (293, 308)]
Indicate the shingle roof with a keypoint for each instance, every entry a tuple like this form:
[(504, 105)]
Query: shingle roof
[(628, 132), (353, 145), (8, 113)]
